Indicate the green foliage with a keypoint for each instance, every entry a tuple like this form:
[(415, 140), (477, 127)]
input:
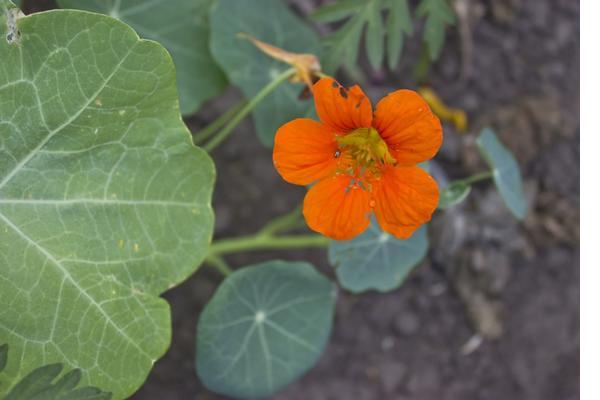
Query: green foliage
[(454, 194), (343, 44), (264, 327), (3, 356), (506, 172), (182, 27), (250, 69), (399, 24), (41, 384), (376, 260), (104, 201), (437, 14)]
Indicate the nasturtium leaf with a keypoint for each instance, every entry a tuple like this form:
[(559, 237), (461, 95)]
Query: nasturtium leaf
[(506, 172), (42, 384), (453, 194), (437, 14), (104, 200), (182, 27), (250, 69), (376, 260), (265, 326), (3, 356)]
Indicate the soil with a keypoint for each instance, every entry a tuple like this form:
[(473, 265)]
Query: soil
[(493, 312)]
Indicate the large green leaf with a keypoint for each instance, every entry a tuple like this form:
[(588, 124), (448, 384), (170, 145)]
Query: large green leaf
[(376, 260), (506, 172), (182, 27), (250, 69), (265, 326), (104, 201)]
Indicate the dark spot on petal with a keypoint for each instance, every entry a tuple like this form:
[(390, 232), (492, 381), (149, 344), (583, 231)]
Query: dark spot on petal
[(335, 85), (359, 102), (343, 93)]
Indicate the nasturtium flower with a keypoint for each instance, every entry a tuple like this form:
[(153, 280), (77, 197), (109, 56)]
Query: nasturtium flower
[(362, 163)]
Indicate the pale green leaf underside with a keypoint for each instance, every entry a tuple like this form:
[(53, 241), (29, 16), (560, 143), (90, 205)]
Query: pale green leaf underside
[(182, 27), (506, 172), (376, 260), (104, 201), (250, 69), (265, 326)]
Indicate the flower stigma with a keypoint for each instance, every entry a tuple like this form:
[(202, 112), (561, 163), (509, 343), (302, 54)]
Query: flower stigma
[(365, 150)]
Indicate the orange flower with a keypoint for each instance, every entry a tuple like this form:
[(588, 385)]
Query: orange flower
[(362, 162)]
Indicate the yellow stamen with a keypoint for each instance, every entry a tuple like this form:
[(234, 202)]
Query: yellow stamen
[(366, 148)]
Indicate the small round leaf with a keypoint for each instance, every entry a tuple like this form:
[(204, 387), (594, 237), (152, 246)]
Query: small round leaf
[(266, 325), (453, 194), (376, 260), (506, 173)]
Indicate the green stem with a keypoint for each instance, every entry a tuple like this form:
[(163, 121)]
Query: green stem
[(283, 223), (219, 137), (262, 242), (217, 124), (477, 177), (219, 264)]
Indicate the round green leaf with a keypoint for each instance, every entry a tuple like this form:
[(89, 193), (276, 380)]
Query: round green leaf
[(250, 69), (453, 194), (182, 27), (376, 260), (265, 326), (104, 201), (506, 172)]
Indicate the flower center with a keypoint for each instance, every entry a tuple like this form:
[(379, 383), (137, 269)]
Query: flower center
[(365, 148)]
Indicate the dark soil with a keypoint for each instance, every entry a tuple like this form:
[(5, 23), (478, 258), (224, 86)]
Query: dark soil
[(513, 285), (493, 313)]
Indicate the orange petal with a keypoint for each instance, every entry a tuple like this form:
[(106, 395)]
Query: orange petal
[(412, 132), (343, 110), (337, 210), (304, 151), (405, 198)]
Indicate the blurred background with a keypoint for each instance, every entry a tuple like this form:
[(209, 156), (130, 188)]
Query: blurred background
[(493, 311)]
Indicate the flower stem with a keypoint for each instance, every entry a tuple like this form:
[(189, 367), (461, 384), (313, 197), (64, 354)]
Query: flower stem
[(284, 223), (477, 177), (217, 124), (222, 135), (219, 264), (264, 242)]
